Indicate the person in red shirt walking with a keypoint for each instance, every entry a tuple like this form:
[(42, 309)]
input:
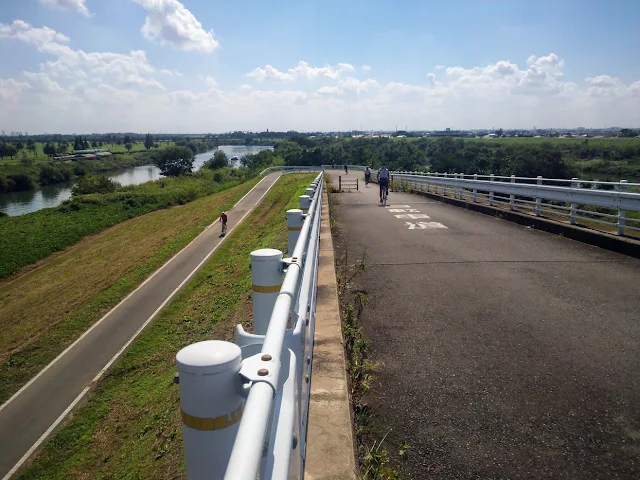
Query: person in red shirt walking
[(223, 221)]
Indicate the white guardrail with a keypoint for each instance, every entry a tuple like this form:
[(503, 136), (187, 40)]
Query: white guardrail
[(604, 203), (245, 405)]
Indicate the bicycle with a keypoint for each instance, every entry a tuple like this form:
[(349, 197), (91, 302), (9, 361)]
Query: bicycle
[(385, 192)]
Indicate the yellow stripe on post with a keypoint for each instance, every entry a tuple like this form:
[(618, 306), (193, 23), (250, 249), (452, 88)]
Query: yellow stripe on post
[(218, 423), (266, 289)]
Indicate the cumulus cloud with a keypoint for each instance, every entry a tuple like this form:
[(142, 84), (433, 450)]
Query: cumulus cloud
[(170, 23), (21, 30), (302, 70), (175, 73), (77, 5), (125, 70), (366, 68), (501, 93), (209, 81), (10, 89)]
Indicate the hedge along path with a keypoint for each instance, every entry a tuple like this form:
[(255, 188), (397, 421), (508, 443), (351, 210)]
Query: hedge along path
[(46, 309), (131, 426)]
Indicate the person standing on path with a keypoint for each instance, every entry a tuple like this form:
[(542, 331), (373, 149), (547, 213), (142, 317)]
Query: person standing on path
[(223, 221), (346, 170), (367, 175)]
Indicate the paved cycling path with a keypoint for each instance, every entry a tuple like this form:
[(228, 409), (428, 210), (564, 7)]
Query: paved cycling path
[(29, 415), (503, 352)]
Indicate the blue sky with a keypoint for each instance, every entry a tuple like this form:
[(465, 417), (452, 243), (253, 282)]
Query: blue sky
[(217, 66)]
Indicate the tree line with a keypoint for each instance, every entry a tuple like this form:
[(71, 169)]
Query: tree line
[(457, 155)]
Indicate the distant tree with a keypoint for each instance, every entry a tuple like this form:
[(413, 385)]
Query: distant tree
[(19, 145), (94, 184), (118, 142), (94, 144), (127, 139), (175, 161), (499, 132), (219, 160), (62, 148), (31, 145), (77, 143), (628, 133), (128, 146), (49, 149), (148, 141), (85, 143)]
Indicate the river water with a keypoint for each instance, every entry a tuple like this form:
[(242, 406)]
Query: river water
[(19, 203)]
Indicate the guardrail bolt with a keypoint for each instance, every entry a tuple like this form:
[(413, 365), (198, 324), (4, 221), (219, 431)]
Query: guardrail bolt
[(266, 357), (263, 372)]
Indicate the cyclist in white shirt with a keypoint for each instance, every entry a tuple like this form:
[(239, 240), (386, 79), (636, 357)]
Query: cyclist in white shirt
[(383, 180), (367, 175)]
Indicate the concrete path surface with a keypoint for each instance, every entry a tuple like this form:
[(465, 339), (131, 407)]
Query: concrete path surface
[(330, 449), (503, 352), (30, 415)]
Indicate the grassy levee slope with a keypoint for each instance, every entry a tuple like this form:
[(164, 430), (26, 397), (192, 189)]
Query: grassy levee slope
[(27, 239), (130, 426), (46, 309)]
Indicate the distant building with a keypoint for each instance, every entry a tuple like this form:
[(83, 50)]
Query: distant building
[(449, 133)]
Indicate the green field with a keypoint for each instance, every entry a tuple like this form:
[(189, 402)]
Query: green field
[(26, 239), (131, 426)]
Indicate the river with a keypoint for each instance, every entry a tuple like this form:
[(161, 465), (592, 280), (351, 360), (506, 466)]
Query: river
[(19, 203)]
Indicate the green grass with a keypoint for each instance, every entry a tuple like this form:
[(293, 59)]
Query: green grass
[(29, 238), (46, 309), (131, 425)]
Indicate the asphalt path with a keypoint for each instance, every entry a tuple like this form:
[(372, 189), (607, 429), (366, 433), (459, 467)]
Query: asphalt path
[(502, 351), (30, 415)]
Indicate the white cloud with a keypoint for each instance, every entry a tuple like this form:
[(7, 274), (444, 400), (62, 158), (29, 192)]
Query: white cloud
[(10, 89), (123, 70), (270, 72), (21, 30), (366, 68), (176, 73), (77, 5), (500, 93), (169, 23), (209, 81), (302, 70)]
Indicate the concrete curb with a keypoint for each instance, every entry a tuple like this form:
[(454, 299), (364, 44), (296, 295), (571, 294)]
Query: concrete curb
[(330, 454), (625, 246)]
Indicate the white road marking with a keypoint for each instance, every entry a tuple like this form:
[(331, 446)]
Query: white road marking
[(424, 225), (44, 436), (413, 216), (398, 206)]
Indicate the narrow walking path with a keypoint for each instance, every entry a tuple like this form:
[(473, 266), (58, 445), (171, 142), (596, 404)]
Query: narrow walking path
[(33, 412), (502, 351)]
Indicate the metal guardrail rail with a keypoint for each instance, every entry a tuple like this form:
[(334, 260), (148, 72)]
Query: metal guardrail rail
[(245, 405), (604, 203)]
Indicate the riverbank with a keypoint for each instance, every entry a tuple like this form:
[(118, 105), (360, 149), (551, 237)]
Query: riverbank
[(49, 196), (26, 239), (131, 423)]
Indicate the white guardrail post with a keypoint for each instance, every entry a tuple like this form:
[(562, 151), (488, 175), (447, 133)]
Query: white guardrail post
[(574, 206), (475, 190), (622, 215), (305, 203), (266, 279), (211, 406), (538, 198), (294, 225), (492, 178), (512, 197)]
